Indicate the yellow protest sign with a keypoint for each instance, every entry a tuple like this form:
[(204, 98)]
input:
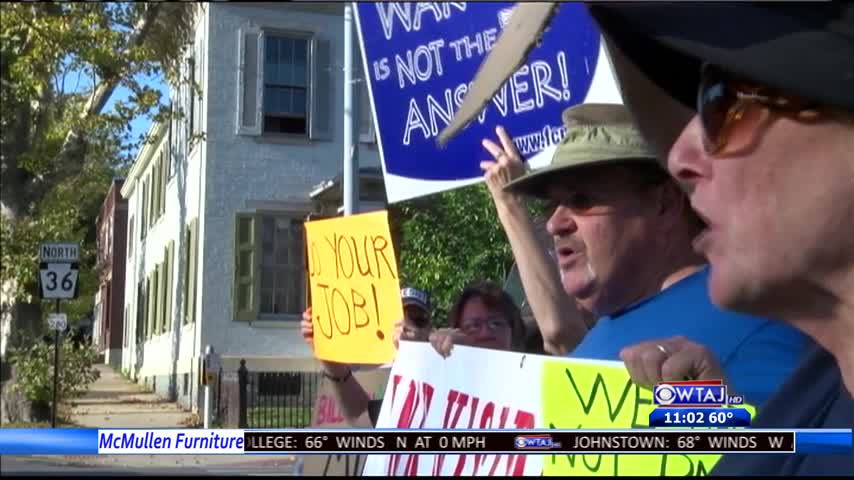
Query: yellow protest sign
[(593, 395), (355, 292)]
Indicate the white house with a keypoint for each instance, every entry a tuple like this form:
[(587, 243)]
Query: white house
[(216, 203)]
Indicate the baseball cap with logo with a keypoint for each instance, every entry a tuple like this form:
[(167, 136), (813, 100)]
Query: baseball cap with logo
[(415, 297), (597, 134)]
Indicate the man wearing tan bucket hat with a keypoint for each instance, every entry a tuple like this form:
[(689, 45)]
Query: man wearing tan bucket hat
[(622, 233)]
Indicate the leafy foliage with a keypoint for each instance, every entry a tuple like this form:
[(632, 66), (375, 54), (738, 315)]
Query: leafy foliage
[(450, 240), (33, 360), (60, 62)]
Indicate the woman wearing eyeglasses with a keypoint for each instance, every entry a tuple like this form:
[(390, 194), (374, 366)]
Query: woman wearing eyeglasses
[(483, 316)]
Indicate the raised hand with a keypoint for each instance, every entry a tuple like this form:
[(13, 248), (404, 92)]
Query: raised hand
[(671, 359), (506, 165)]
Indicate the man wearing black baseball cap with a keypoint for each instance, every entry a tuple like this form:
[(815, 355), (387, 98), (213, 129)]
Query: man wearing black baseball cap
[(416, 309), (769, 161), (768, 157)]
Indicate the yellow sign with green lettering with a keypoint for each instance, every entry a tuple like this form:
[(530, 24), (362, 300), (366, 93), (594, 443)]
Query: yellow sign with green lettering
[(596, 396)]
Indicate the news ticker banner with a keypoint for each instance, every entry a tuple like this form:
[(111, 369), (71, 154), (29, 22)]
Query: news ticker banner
[(68, 441), (538, 392), (328, 413)]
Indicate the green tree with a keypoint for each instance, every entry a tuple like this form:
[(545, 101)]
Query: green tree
[(449, 240), (59, 147)]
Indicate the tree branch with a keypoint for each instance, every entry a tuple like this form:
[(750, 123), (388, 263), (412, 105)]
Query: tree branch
[(102, 93)]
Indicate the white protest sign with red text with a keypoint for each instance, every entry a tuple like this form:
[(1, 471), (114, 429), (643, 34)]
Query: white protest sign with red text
[(427, 391)]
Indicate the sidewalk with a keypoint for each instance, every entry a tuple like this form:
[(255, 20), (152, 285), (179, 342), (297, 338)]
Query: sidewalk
[(115, 402)]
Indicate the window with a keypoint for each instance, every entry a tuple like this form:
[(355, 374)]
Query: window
[(269, 267), (281, 266), (285, 84)]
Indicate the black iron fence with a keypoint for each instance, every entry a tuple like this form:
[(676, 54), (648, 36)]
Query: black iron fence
[(247, 399)]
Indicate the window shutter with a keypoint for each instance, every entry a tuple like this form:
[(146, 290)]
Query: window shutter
[(143, 224), (140, 312), (363, 99), (131, 240), (249, 76), (193, 246), (152, 194), (155, 199), (158, 293), (161, 180), (168, 285), (151, 295), (245, 296), (321, 90), (143, 319)]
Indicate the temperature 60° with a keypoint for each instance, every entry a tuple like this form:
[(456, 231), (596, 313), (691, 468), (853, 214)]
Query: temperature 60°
[(315, 442), (720, 417)]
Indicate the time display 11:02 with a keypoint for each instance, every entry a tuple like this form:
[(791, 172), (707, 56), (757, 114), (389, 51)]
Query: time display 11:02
[(699, 417)]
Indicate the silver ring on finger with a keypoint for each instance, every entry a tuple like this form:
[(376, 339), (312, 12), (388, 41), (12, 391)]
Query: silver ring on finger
[(661, 348)]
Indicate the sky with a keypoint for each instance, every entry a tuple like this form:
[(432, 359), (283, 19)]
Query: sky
[(142, 123), (80, 81)]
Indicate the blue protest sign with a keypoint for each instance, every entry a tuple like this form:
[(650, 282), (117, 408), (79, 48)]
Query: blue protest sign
[(420, 59)]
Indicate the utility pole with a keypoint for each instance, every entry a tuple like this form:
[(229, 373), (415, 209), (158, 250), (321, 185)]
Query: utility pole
[(351, 143)]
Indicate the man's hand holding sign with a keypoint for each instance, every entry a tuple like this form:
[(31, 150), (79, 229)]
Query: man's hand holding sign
[(355, 292)]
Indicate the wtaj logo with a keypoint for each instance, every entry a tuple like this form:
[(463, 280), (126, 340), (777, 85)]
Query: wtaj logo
[(535, 442), (694, 393)]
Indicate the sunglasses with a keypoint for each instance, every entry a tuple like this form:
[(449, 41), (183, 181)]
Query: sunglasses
[(723, 105), (603, 201)]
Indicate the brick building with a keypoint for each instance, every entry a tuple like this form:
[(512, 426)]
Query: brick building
[(111, 228)]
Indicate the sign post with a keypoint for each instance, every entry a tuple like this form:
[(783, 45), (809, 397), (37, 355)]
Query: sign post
[(58, 270), (55, 368), (212, 366)]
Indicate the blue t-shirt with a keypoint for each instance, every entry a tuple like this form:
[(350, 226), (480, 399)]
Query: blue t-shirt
[(757, 354)]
